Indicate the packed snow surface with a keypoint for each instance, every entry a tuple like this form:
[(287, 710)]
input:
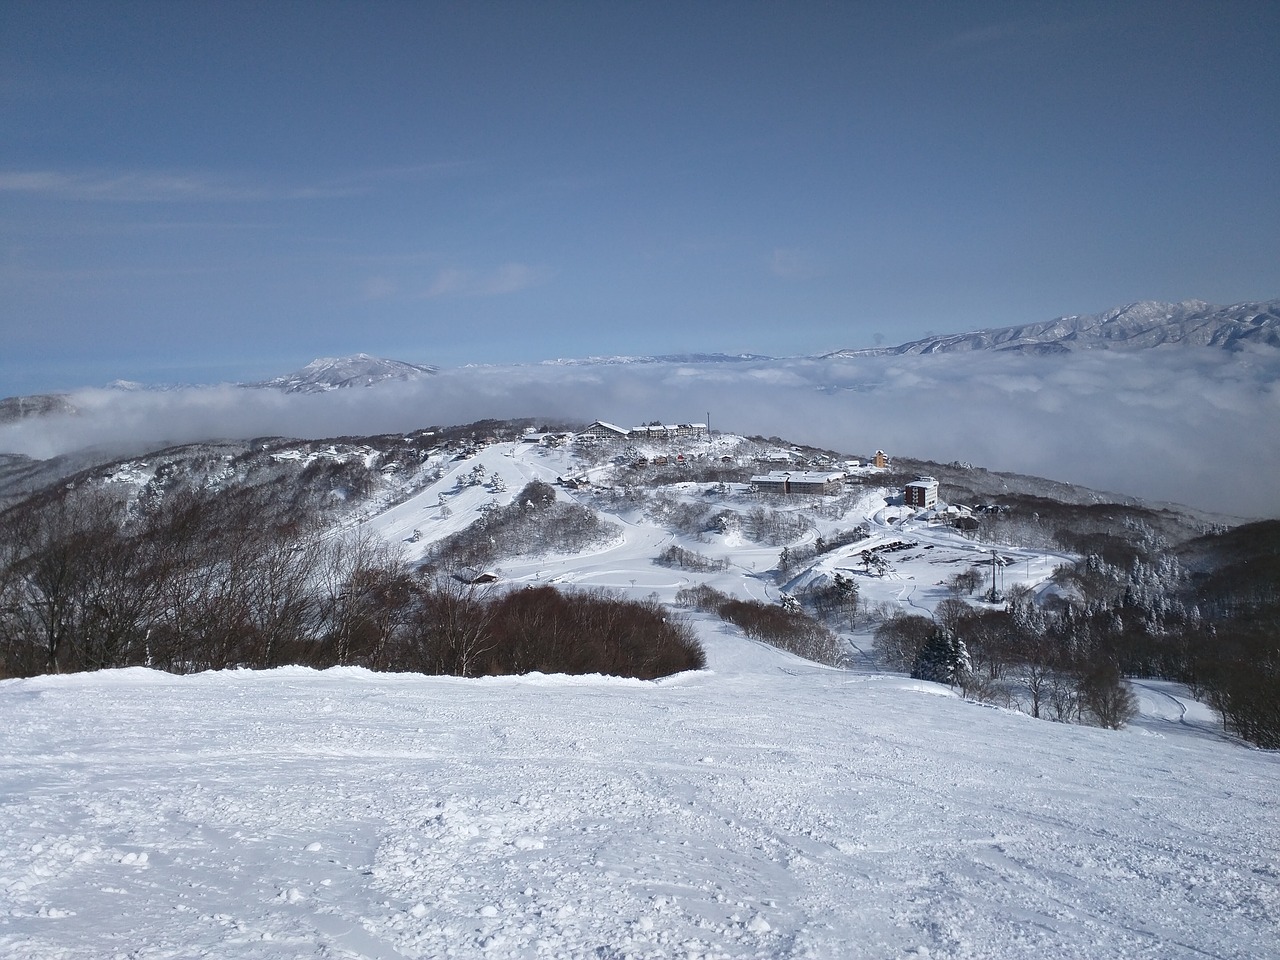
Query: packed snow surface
[(763, 808)]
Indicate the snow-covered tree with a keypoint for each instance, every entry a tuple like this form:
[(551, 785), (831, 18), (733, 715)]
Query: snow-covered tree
[(942, 659)]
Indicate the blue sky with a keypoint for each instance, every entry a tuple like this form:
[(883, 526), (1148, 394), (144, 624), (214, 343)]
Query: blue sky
[(206, 191)]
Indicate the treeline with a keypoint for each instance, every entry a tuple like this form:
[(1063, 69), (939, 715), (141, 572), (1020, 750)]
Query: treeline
[(782, 626), (195, 581), (206, 581), (1136, 612), (535, 522), (759, 524), (1235, 581), (682, 559), (1022, 657), (692, 470), (1217, 632)]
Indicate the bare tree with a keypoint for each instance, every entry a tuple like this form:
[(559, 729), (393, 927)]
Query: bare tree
[(364, 589), (950, 614), (900, 639), (965, 582), (990, 636), (448, 626), (1106, 696)]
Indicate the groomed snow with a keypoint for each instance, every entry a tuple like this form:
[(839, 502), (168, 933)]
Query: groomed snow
[(763, 808)]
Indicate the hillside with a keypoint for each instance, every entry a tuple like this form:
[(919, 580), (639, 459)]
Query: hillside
[(1166, 402), (340, 373), (15, 409), (764, 807)]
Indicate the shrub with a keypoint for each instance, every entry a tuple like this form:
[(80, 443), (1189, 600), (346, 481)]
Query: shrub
[(788, 630), (702, 598), (679, 557), (542, 629)]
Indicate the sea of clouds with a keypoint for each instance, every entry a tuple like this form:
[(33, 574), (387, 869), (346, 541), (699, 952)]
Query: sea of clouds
[(1193, 426)]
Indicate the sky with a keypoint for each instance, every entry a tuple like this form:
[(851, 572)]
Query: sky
[(194, 192)]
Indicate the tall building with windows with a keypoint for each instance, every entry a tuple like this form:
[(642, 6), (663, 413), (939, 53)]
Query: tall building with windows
[(921, 492)]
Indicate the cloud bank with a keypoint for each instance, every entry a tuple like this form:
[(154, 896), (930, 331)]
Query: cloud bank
[(1198, 427)]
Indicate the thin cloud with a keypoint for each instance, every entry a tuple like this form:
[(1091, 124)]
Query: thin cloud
[(380, 288), (505, 279), (1011, 32), (157, 186), (154, 187), (792, 264), (410, 173)]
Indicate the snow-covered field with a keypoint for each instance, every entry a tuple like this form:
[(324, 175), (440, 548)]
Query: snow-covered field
[(913, 583), (765, 807)]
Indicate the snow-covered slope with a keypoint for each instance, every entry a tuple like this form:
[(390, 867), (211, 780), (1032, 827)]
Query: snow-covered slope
[(1134, 326), (14, 409), (766, 807), (334, 373)]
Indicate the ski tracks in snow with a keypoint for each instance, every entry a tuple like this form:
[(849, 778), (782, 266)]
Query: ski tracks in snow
[(766, 808)]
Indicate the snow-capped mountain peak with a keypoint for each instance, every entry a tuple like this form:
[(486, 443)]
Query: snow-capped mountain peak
[(1145, 323), (335, 373)]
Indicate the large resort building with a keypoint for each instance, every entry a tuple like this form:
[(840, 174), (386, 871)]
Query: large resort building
[(602, 430), (798, 481)]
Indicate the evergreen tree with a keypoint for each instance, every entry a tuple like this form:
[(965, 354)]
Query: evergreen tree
[(942, 659)]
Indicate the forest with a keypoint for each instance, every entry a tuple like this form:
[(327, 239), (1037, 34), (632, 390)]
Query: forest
[(208, 580), (1205, 613)]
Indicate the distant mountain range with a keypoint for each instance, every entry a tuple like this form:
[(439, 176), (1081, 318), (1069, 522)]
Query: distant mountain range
[(1192, 323), (1132, 327)]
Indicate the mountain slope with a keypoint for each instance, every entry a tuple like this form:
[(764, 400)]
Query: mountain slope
[(15, 409), (1131, 327), (338, 373), (765, 808)]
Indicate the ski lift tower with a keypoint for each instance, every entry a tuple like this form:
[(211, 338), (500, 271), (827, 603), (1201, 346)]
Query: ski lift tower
[(997, 592)]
